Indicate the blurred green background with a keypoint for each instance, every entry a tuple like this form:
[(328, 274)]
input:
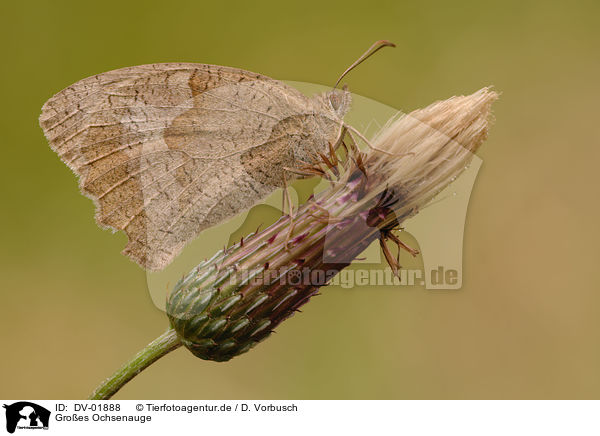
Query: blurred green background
[(525, 324)]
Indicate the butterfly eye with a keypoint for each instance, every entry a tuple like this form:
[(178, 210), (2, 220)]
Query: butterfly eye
[(339, 100), (334, 100)]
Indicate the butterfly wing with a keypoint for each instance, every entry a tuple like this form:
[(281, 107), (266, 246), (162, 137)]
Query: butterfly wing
[(162, 148)]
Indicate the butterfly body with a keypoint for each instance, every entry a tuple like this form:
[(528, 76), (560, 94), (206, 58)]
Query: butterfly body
[(168, 150)]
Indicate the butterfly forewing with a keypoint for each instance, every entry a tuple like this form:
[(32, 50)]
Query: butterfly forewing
[(167, 150)]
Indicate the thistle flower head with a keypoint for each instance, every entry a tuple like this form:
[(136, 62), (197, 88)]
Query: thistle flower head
[(424, 151), (233, 301), (435, 144)]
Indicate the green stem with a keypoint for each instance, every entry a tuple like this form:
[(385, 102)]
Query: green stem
[(156, 349)]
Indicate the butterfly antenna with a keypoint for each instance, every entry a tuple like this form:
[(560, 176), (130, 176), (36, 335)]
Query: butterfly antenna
[(372, 50)]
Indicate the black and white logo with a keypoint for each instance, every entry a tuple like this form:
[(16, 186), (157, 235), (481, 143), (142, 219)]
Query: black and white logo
[(26, 415)]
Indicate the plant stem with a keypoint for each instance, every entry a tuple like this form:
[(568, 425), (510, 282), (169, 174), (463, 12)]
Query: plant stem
[(156, 349)]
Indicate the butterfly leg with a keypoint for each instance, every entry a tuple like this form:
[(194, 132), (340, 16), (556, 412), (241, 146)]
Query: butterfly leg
[(340, 138), (288, 201), (371, 146), (351, 147), (284, 196)]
